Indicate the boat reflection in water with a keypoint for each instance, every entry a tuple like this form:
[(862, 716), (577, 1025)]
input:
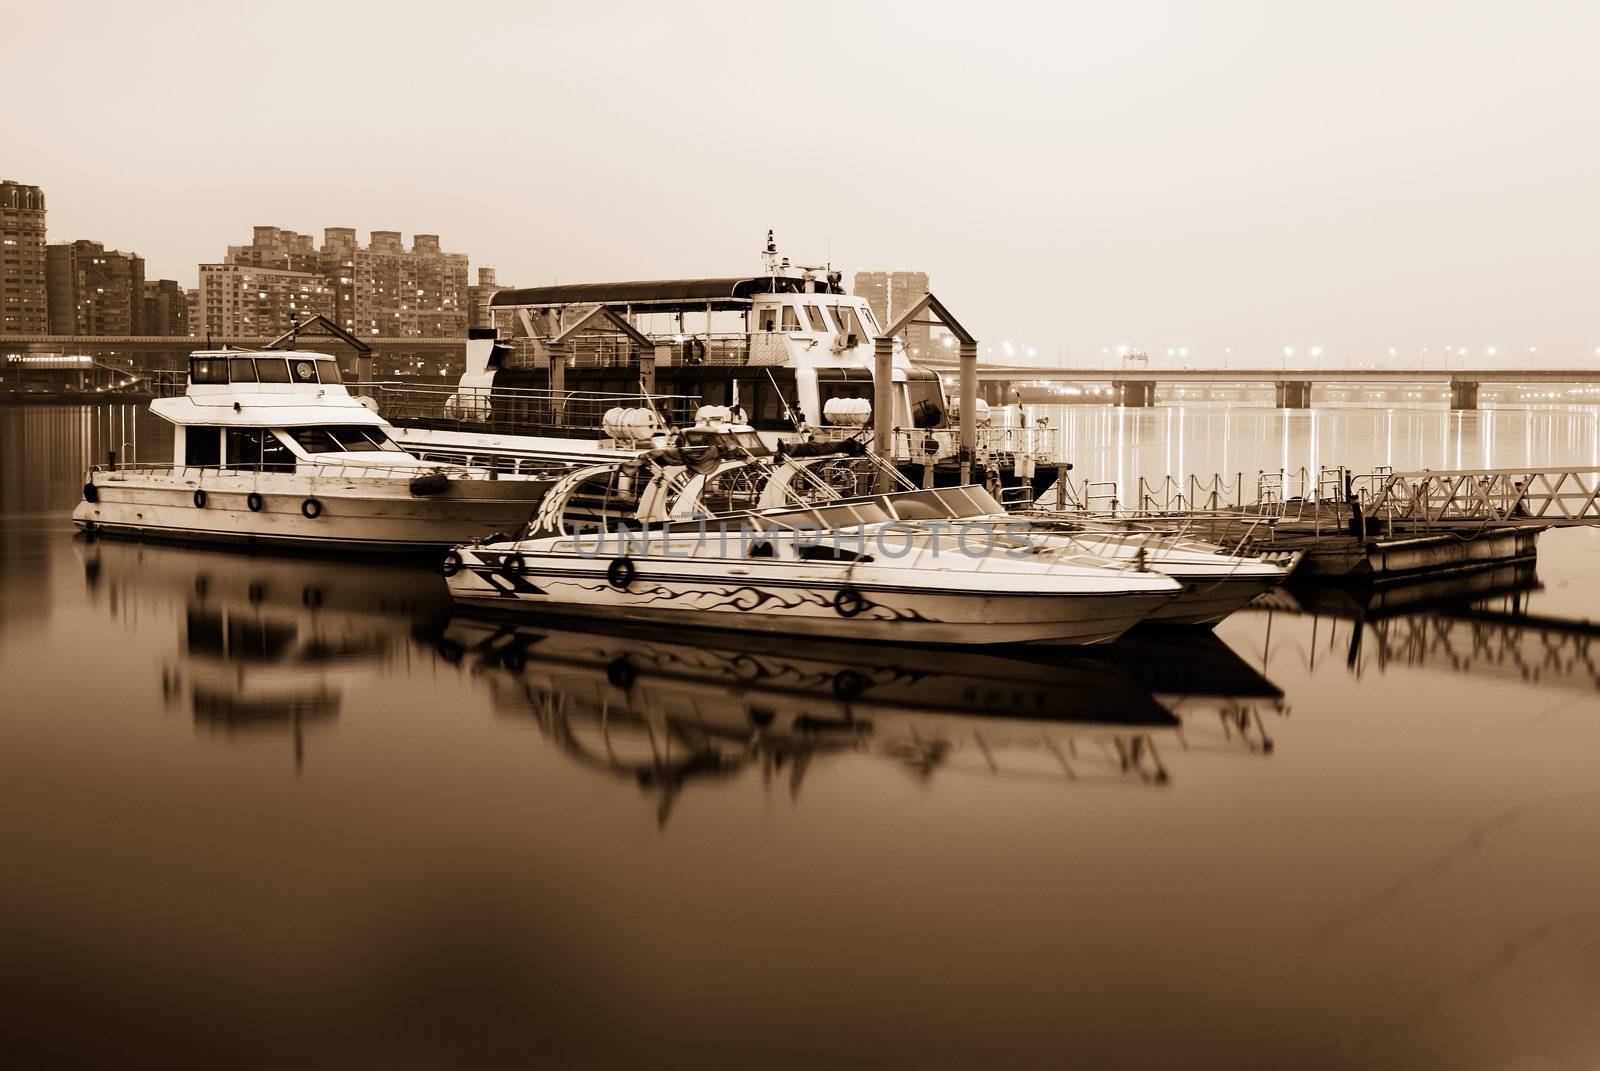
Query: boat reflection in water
[(668, 710), (265, 644)]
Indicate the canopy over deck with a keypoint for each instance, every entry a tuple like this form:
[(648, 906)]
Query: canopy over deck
[(662, 295)]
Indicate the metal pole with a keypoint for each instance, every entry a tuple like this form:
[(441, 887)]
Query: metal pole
[(883, 403), (558, 383), (969, 408)]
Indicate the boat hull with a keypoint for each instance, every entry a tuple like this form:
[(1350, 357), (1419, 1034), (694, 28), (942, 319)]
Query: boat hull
[(678, 593), (369, 515), (1206, 601)]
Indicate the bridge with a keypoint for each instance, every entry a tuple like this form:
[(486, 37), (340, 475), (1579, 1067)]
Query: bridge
[(1292, 387)]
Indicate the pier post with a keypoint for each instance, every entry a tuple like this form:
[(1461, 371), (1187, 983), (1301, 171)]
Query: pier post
[(647, 369), (1463, 394), (1134, 393), (883, 403), (969, 409), (1292, 394), (558, 382)]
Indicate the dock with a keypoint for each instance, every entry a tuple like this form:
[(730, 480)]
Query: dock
[(1378, 527)]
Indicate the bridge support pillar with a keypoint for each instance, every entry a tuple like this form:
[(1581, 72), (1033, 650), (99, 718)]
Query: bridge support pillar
[(1463, 394), (1134, 393), (1292, 394), (994, 392)]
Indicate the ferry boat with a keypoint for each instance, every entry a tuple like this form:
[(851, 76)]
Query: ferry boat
[(771, 571), (789, 351), (271, 449)]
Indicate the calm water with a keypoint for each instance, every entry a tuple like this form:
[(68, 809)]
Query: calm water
[(271, 811)]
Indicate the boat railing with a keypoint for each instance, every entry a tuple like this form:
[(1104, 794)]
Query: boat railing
[(712, 349), (620, 351), (998, 445), (314, 469), (514, 410)]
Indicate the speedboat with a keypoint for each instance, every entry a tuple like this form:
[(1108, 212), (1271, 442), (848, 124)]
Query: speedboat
[(850, 570), (1214, 583), (270, 448)]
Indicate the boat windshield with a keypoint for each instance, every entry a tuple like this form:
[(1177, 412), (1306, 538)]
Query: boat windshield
[(216, 370), (947, 502), (342, 438), (731, 443)]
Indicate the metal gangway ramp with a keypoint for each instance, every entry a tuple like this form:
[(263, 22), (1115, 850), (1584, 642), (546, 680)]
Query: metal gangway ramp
[(1547, 497)]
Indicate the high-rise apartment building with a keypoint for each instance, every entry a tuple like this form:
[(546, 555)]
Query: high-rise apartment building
[(890, 294), (166, 308), (241, 300), (420, 292), (93, 290), (478, 295), (274, 247), (338, 267), (24, 298), (382, 288)]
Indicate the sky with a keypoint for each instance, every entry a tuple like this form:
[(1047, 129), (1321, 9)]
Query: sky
[(1227, 175)]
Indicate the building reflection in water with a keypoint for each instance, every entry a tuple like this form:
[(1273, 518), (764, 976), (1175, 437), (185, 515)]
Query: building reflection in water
[(673, 710), (266, 645)]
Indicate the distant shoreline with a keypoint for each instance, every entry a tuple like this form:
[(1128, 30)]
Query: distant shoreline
[(20, 399)]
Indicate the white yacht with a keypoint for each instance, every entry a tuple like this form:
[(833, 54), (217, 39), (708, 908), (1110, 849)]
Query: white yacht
[(853, 570), (270, 448)]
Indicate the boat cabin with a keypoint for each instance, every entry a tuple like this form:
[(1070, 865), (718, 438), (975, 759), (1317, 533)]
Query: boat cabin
[(274, 411), (788, 347)]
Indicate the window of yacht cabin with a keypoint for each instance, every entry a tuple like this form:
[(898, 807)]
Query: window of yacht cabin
[(304, 371), (848, 324), (342, 437), (870, 319), (241, 370), (244, 448), (819, 322), (273, 370), (791, 318), (275, 454), (769, 319), (328, 372), (208, 370), (202, 445)]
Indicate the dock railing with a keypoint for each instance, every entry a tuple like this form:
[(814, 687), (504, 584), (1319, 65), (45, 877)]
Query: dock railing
[(514, 411)]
